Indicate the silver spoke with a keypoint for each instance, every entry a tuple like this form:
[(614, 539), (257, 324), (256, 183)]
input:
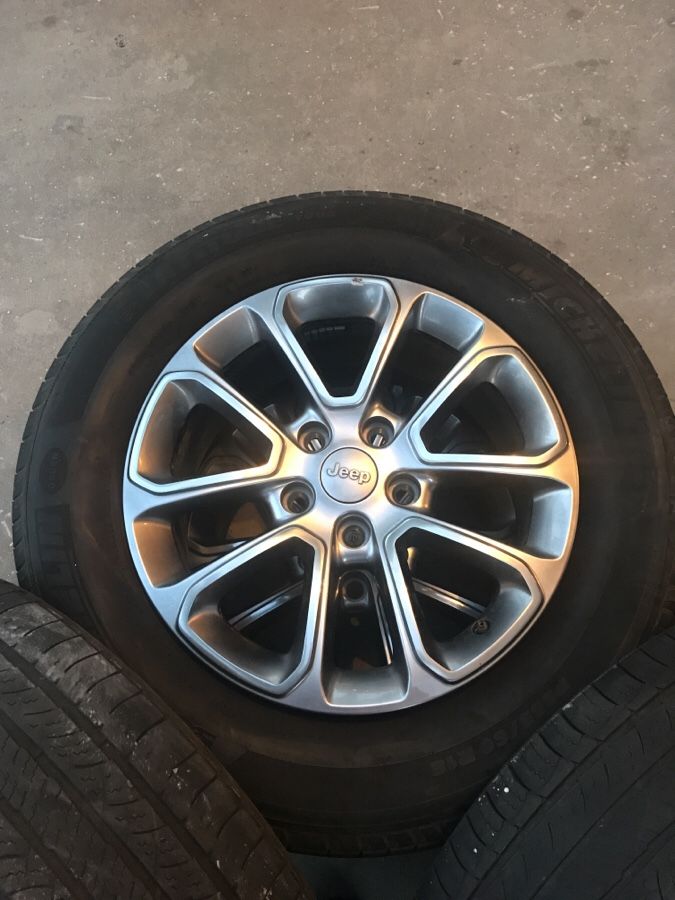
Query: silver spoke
[(410, 653), (407, 294), (519, 598), (509, 371), (200, 617), (169, 598), (294, 354), (366, 297), (144, 498), (189, 362), (313, 411), (557, 467), (308, 683), (490, 342), (551, 487), (150, 487), (442, 317), (537, 571)]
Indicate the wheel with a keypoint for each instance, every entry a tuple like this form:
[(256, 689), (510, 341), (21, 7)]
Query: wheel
[(104, 792), (587, 807), (366, 486)]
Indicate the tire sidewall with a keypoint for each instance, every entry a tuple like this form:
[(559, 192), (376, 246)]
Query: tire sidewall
[(405, 764)]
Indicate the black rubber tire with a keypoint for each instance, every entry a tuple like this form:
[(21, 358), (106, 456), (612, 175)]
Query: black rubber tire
[(103, 791), (395, 782), (587, 807)]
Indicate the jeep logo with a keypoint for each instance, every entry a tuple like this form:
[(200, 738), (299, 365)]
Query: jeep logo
[(348, 475), (358, 475)]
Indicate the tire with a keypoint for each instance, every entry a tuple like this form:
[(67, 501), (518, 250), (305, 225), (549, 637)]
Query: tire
[(391, 782), (104, 792), (587, 807)]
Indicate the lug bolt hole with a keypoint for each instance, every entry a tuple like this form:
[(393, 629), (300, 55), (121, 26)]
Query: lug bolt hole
[(354, 589), (355, 592), (404, 490), (354, 533), (297, 498), (313, 437), (378, 432)]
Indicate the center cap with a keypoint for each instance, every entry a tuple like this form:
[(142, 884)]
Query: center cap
[(348, 475)]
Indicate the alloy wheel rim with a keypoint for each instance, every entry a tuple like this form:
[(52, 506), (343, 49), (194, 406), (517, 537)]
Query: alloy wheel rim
[(350, 494)]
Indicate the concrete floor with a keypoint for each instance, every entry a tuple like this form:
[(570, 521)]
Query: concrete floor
[(125, 123)]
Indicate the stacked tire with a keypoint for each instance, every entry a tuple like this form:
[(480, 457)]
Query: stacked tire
[(587, 807), (105, 793)]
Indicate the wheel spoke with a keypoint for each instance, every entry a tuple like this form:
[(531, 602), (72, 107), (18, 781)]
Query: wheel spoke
[(559, 467), (489, 342), (519, 574), (145, 498), (201, 615), (151, 485), (169, 598), (538, 572), (410, 656), (438, 316), (309, 685), (508, 372), (188, 363), (407, 294), (335, 300), (295, 356)]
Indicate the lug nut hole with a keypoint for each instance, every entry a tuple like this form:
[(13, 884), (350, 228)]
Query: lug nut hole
[(354, 589), (355, 592), (297, 498), (378, 432), (404, 490), (354, 533), (313, 437)]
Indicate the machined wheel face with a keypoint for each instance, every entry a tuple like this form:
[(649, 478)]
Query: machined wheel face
[(350, 494)]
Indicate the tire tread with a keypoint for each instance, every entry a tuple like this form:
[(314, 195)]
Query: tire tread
[(621, 719), (82, 742)]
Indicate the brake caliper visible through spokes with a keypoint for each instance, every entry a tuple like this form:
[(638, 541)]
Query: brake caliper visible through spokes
[(350, 494)]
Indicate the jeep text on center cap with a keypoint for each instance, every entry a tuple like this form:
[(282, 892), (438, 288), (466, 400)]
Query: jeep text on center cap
[(348, 475)]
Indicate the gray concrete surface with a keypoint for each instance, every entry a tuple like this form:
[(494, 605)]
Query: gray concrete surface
[(124, 123)]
